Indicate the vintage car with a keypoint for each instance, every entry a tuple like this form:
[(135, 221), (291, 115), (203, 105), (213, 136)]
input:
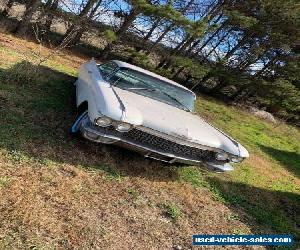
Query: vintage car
[(119, 103)]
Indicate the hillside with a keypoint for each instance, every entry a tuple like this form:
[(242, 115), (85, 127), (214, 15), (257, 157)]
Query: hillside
[(67, 193)]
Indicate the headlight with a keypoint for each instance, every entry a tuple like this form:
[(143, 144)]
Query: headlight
[(103, 121), (123, 127), (236, 159), (222, 156)]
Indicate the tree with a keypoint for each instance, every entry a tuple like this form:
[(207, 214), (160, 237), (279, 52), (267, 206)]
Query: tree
[(80, 24), (50, 8), (173, 19), (194, 30), (24, 25), (139, 7)]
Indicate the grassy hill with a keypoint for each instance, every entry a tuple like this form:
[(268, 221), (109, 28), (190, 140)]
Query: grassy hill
[(58, 191)]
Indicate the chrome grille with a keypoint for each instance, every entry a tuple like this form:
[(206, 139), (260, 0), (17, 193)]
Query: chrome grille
[(157, 143)]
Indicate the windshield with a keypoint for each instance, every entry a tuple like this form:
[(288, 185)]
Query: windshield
[(152, 87)]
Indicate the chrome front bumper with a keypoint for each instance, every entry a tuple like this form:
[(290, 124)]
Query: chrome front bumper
[(91, 133)]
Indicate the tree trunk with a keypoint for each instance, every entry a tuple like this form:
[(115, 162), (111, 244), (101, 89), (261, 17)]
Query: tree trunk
[(158, 40), (150, 32), (245, 65), (188, 43), (87, 8), (264, 68), (215, 9), (24, 25), (212, 13), (178, 72), (121, 31), (218, 87), (50, 16), (166, 62), (127, 23), (179, 46), (218, 43), (171, 26), (243, 93), (190, 3), (48, 3), (95, 9), (246, 62), (190, 49), (211, 37), (75, 32), (203, 80), (237, 46)]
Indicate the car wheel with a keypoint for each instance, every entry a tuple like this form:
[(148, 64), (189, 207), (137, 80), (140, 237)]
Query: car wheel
[(74, 128)]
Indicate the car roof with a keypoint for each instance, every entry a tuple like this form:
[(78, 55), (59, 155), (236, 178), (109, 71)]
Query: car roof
[(147, 72)]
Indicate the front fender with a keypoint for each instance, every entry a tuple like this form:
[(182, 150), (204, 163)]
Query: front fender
[(91, 87)]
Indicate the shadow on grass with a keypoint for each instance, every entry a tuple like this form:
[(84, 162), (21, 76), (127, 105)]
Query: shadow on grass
[(290, 160), (36, 108), (37, 105), (265, 211)]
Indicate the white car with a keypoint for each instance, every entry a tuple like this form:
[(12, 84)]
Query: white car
[(119, 103)]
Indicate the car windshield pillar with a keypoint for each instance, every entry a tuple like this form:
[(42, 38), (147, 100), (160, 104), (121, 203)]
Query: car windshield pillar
[(107, 70)]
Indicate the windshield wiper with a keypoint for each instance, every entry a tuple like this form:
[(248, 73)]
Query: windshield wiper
[(174, 99), (141, 88)]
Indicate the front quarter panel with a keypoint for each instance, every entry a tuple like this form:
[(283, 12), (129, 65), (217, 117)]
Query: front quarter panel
[(91, 87)]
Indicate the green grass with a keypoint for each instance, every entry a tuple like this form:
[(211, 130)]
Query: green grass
[(113, 174), (193, 176), (36, 109), (4, 181), (171, 211), (135, 194), (266, 186), (255, 134)]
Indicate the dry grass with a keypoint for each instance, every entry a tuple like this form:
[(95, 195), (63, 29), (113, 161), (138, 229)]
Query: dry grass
[(59, 192), (68, 207)]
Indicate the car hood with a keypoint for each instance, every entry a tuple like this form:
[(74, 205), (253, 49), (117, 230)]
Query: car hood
[(173, 121)]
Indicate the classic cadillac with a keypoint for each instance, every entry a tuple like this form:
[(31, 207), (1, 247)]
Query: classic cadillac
[(119, 103)]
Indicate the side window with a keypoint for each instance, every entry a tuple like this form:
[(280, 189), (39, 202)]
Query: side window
[(107, 69)]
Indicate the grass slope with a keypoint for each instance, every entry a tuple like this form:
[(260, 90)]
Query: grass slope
[(61, 192)]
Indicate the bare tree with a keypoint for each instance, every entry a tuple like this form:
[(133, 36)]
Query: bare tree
[(24, 26)]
